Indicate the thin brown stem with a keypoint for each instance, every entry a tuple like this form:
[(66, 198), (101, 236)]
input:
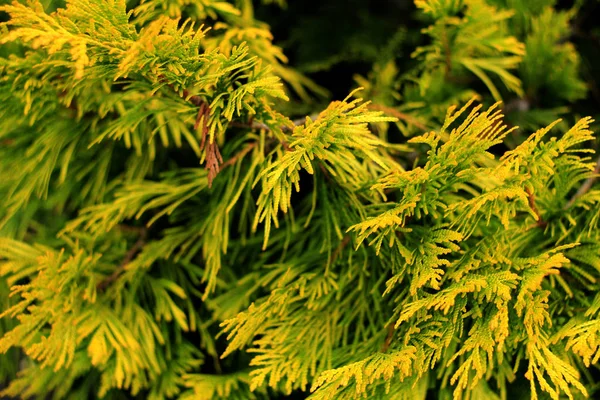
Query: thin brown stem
[(340, 248), (388, 339), (139, 230), (325, 172), (398, 114), (252, 125), (262, 126), (531, 199), (583, 189), (447, 55), (137, 246), (240, 154)]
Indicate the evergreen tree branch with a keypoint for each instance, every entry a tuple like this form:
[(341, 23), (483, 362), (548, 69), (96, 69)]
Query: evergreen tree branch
[(198, 101), (435, 276), (213, 154)]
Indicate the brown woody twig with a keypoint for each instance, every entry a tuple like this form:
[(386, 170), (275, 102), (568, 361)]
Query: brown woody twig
[(531, 199), (583, 189), (338, 250), (137, 246), (239, 154), (398, 114), (388, 339)]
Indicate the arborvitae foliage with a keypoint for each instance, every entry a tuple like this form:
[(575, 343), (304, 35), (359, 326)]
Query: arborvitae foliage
[(187, 214)]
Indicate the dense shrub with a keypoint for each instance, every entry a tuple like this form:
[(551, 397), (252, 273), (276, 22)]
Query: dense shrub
[(406, 208)]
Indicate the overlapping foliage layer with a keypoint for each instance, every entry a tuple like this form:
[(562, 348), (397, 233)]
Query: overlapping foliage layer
[(169, 229)]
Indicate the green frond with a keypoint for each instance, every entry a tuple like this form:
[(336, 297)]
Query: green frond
[(478, 41), (338, 141), (358, 376)]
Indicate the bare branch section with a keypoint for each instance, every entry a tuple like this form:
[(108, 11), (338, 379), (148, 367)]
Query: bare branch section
[(531, 199), (587, 185), (131, 253), (213, 161), (262, 126), (240, 154), (398, 114), (339, 249), (391, 329)]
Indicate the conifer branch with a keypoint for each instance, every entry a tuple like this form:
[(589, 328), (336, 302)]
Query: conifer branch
[(137, 246), (585, 187), (213, 155), (252, 124), (398, 114)]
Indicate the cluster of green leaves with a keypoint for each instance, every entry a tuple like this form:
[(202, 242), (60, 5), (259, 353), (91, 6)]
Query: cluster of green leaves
[(168, 231)]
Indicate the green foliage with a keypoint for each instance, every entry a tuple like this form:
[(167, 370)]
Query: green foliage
[(477, 42), (169, 229), (546, 48)]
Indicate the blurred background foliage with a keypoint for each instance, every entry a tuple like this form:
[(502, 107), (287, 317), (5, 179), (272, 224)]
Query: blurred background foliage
[(413, 60), (341, 44)]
